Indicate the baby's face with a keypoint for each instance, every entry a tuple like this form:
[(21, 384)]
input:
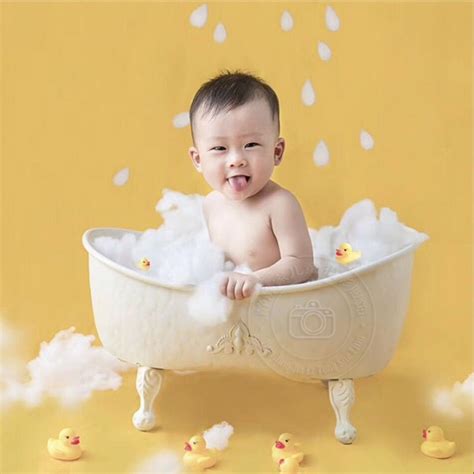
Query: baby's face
[(237, 150)]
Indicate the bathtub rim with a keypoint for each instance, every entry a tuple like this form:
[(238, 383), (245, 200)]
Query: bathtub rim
[(89, 234)]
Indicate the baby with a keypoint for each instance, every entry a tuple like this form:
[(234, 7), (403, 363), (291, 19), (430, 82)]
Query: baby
[(235, 128)]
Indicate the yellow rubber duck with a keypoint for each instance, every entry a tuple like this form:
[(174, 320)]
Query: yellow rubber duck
[(285, 447), (66, 448), (144, 264), (290, 465), (435, 445), (197, 457), (345, 254)]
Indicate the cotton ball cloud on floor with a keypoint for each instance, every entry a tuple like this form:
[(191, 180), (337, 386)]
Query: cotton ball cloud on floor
[(162, 463), (11, 366), (458, 401), (68, 368), (8, 336), (218, 436)]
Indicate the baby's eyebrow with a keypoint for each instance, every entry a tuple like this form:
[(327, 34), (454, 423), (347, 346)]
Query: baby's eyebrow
[(240, 136)]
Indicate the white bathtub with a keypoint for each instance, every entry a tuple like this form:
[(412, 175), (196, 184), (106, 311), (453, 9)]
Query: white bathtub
[(332, 330)]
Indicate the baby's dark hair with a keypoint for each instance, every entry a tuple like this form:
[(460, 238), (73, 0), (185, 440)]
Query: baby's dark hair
[(228, 90)]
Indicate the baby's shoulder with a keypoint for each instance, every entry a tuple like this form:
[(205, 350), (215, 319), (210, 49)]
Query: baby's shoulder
[(281, 196), (211, 200), (283, 203), (212, 197)]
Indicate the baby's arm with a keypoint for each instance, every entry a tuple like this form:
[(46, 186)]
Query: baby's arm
[(296, 263)]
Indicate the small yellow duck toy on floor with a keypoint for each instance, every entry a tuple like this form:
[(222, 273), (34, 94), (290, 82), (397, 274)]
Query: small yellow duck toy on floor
[(66, 448), (144, 264), (197, 457), (290, 465), (435, 445), (285, 447), (345, 254)]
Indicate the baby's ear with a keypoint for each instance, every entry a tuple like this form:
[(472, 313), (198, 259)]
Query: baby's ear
[(279, 150), (195, 158)]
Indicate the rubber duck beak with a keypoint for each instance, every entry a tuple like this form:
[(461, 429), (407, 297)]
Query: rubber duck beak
[(424, 434), (187, 446), (75, 440), (338, 252), (279, 444)]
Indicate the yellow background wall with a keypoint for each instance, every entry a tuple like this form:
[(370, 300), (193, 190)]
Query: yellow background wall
[(91, 88)]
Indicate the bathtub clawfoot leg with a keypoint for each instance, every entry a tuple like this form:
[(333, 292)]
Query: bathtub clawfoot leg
[(148, 385), (341, 394)]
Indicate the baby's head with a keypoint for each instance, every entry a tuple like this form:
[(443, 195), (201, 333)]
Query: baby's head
[(235, 127)]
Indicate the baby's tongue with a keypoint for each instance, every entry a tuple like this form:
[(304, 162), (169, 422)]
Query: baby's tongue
[(238, 182)]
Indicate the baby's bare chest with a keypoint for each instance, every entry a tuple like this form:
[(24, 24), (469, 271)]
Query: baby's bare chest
[(245, 237)]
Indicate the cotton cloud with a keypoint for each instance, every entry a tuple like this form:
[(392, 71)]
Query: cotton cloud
[(164, 463), (180, 251), (168, 462), (456, 401), (68, 368), (218, 436)]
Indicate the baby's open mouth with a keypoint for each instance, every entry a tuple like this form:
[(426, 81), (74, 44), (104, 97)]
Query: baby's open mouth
[(238, 182)]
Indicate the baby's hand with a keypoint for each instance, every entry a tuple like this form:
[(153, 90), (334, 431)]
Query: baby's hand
[(238, 285)]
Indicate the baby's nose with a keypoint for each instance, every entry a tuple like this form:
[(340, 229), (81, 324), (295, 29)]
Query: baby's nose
[(237, 160)]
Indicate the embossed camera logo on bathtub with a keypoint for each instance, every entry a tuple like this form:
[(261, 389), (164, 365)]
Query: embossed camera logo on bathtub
[(312, 321)]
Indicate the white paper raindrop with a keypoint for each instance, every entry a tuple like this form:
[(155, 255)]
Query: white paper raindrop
[(220, 33), (366, 140), (121, 177), (198, 17), (308, 96), (181, 120), (332, 20), (286, 21), (321, 154), (324, 51)]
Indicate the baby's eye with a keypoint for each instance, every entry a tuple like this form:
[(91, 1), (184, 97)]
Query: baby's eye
[(215, 148), (253, 143)]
